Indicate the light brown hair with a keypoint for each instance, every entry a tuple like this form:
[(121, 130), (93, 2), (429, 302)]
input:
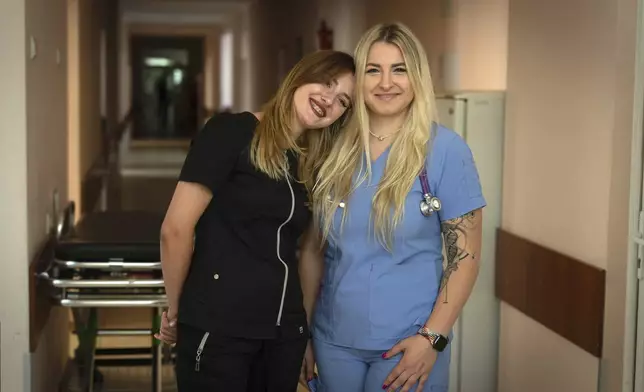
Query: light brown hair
[(273, 134)]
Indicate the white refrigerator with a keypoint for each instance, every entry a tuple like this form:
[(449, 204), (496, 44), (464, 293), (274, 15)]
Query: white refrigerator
[(479, 118)]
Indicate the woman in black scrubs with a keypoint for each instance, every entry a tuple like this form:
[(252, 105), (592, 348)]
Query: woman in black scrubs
[(229, 238)]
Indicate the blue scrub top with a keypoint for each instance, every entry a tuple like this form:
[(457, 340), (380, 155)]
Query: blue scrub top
[(371, 298)]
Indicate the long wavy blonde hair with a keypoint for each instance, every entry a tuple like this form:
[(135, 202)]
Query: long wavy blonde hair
[(273, 133), (335, 182)]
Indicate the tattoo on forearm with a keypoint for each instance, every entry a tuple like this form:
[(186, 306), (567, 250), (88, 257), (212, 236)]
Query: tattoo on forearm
[(455, 237)]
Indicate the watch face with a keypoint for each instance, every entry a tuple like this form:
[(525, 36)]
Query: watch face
[(440, 343)]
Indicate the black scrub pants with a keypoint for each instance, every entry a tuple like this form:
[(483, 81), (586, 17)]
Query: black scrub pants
[(229, 364)]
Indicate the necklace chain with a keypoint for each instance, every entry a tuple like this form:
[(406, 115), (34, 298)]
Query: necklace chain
[(383, 137)]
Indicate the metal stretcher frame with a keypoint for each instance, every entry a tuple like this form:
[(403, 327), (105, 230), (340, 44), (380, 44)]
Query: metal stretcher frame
[(109, 260)]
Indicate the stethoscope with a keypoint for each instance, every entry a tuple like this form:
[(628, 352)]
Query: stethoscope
[(429, 204)]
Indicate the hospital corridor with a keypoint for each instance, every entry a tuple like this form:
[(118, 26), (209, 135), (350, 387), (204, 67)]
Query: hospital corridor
[(102, 100)]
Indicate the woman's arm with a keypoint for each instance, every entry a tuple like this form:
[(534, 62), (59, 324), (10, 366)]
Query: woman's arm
[(177, 238), (311, 267), (460, 191), (463, 248), (462, 237), (211, 160)]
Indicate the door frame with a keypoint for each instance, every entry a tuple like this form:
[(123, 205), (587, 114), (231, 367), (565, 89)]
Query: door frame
[(138, 44), (633, 369)]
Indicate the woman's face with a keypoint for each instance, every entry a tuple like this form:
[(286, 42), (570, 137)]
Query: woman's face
[(318, 105), (387, 88)]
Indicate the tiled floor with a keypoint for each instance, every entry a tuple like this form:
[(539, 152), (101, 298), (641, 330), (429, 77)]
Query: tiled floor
[(137, 379), (131, 379)]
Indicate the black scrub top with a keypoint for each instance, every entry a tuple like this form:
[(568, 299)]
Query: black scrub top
[(243, 280)]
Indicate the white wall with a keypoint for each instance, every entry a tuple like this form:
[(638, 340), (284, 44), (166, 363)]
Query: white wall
[(465, 40), (347, 19), (86, 19), (477, 52), (32, 164), (47, 164), (570, 92), (14, 321), (429, 20)]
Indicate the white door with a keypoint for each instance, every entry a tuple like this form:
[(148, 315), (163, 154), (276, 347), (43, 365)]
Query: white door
[(635, 283), (633, 377), (634, 339), (639, 356)]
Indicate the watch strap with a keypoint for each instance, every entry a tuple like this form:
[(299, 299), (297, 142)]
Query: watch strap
[(437, 340)]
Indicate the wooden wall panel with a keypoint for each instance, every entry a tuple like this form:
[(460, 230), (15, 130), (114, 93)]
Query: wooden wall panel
[(564, 294)]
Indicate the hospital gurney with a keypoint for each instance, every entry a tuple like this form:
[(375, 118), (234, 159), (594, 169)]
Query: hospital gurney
[(109, 259)]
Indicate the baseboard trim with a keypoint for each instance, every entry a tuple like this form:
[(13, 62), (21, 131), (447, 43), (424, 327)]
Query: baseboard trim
[(150, 172), (160, 143)]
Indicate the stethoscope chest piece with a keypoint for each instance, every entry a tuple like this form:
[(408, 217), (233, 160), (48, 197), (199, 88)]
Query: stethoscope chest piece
[(429, 205)]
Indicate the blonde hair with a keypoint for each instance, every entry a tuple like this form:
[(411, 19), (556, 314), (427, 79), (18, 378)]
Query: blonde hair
[(273, 133), (408, 151)]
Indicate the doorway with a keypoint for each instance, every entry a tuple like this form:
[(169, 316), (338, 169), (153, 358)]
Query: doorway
[(167, 74)]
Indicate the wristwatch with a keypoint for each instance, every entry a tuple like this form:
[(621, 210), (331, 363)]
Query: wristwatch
[(438, 341)]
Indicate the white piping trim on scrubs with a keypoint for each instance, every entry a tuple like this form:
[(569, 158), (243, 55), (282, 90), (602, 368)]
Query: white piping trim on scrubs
[(279, 230), (200, 350)]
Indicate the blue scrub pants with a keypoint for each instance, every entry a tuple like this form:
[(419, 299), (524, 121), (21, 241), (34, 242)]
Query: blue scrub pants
[(346, 369)]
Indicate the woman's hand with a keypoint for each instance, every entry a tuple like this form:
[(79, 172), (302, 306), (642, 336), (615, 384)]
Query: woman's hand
[(308, 366), (414, 367), (168, 331)]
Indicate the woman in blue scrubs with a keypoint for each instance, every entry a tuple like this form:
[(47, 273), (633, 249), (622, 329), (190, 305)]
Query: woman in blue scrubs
[(383, 313)]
